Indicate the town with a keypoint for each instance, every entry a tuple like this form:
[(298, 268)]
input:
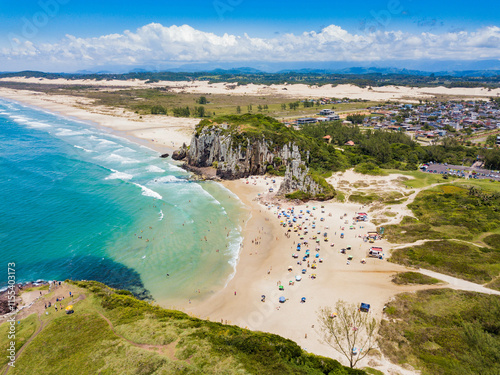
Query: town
[(472, 122)]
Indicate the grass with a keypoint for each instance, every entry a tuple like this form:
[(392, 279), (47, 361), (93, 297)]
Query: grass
[(405, 278), (24, 331), (420, 179), (443, 332), (370, 169), (84, 342), (493, 240), (387, 198), (448, 211), (457, 259)]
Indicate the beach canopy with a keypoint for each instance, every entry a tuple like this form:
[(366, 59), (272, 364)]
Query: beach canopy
[(70, 307), (298, 278), (282, 299), (365, 307)]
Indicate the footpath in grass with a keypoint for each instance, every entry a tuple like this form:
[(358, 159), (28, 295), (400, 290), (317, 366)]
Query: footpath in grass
[(443, 331)]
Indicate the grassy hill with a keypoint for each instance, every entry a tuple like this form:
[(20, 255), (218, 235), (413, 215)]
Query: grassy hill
[(112, 332)]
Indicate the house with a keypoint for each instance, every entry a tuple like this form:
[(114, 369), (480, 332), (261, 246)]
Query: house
[(326, 112), (327, 138), (333, 117), (306, 120), (349, 143)]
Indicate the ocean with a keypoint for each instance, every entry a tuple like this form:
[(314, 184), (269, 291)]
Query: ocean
[(80, 203)]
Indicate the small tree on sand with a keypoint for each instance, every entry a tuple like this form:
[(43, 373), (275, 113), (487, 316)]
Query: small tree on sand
[(347, 330)]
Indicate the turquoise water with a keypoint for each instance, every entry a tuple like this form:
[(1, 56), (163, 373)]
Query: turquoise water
[(77, 202)]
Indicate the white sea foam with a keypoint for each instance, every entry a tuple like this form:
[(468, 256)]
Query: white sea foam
[(115, 158), (82, 148), (20, 119), (154, 168), (173, 167), (148, 192), (166, 179), (161, 216), (62, 132), (117, 175), (38, 125), (105, 141)]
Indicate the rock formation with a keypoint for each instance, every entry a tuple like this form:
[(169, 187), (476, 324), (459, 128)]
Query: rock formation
[(234, 156)]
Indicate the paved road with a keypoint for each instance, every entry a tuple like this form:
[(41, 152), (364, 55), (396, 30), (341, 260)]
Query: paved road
[(459, 283)]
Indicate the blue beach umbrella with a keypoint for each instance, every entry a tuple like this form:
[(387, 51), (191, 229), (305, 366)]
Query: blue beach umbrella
[(282, 299)]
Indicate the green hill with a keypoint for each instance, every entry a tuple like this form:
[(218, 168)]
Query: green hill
[(112, 332)]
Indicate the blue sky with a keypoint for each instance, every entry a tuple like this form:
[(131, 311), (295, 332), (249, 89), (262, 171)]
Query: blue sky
[(49, 21)]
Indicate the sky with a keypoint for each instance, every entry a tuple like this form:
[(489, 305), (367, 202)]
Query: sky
[(70, 35)]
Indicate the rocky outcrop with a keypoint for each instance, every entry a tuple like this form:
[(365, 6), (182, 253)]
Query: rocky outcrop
[(234, 155), (180, 154)]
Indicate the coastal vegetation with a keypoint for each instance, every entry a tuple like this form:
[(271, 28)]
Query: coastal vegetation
[(112, 332), (443, 331), (410, 277), (449, 211), (459, 225), (247, 76)]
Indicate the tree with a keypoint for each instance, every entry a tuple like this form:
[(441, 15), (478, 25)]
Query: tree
[(283, 106), (202, 100), (158, 110), (491, 140), (348, 330), (238, 109), (199, 111)]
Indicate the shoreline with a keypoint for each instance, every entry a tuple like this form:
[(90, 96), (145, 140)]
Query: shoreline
[(261, 266)]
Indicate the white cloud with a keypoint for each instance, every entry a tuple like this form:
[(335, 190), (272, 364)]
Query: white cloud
[(155, 43)]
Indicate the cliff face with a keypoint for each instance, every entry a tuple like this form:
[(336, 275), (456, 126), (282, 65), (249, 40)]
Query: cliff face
[(241, 157)]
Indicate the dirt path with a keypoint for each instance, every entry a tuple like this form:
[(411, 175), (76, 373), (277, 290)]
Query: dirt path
[(27, 343), (459, 284), (168, 349)]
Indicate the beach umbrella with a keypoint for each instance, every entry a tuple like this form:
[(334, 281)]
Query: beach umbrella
[(70, 307), (298, 278), (282, 299), (290, 268), (303, 299), (317, 255), (281, 287), (304, 270), (321, 260)]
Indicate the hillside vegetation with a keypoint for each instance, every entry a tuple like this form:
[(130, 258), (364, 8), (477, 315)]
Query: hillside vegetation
[(460, 223), (443, 332), (112, 332)]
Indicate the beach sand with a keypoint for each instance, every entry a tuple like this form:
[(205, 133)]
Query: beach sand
[(264, 265), (161, 133), (383, 93)]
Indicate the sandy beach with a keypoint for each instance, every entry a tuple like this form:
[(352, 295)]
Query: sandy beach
[(161, 133), (267, 248)]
